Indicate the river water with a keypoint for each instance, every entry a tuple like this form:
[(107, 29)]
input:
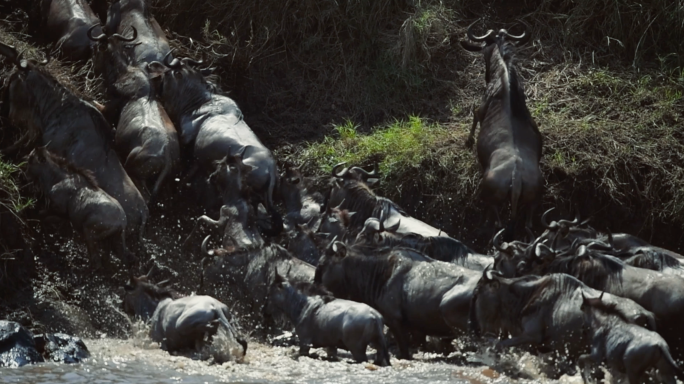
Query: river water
[(137, 361)]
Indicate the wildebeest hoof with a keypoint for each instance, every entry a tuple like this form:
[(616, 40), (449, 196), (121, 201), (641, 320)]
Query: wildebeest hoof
[(469, 142)]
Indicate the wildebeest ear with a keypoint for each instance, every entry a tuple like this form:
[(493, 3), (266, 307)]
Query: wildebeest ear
[(340, 249), (372, 182), (295, 180), (206, 71), (279, 279), (128, 288), (155, 69)]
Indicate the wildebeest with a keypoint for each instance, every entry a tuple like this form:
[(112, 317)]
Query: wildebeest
[(178, 322), (623, 346), (252, 271), (351, 191), (237, 218), (215, 127), (152, 44), (301, 206), (509, 145), (659, 293), (74, 193), (374, 234), (71, 128), (421, 297), (66, 22), (306, 244), (145, 136), (541, 312), (321, 320)]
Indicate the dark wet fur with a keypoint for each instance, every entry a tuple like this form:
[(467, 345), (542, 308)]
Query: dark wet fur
[(596, 271), (71, 168), (311, 289), (362, 200)]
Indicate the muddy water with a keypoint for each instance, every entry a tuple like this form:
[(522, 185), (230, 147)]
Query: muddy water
[(136, 361)]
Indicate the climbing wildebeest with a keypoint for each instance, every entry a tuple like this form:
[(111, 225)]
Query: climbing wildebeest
[(237, 218), (509, 145), (351, 191), (301, 206), (74, 193), (374, 234), (421, 297), (541, 312), (657, 292), (177, 322), (215, 127), (624, 347), (152, 44), (145, 136), (50, 114), (249, 274), (306, 244), (66, 23), (321, 320)]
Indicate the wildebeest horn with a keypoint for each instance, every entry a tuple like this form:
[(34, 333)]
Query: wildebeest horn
[(150, 271), (601, 295), (514, 37), (9, 52), (497, 239), (472, 37), (543, 219), (190, 62), (341, 174), (394, 227), (487, 273), (127, 39), (575, 221), (173, 63), (204, 245), (163, 282), (102, 36), (367, 174)]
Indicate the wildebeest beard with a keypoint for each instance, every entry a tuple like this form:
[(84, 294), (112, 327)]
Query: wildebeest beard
[(359, 198), (191, 91), (596, 270)]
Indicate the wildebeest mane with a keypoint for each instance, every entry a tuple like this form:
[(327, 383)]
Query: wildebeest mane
[(362, 200), (596, 270), (157, 292), (70, 167), (370, 276), (311, 289)]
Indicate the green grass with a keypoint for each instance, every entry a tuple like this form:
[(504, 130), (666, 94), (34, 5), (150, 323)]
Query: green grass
[(11, 197)]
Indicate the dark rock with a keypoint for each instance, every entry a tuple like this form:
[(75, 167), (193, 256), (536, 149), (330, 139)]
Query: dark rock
[(17, 347), (61, 348)]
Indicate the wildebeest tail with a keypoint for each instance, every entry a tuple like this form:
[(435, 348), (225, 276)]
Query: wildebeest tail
[(516, 191), (668, 357), (383, 357), (241, 340)]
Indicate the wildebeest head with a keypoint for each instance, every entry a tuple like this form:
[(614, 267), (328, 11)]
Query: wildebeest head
[(291, 186), (228, 176), (559, 234), (142, 297), (486, 303), (329, 270), (19, 102), (513, 257), (373, 232), (305, 244), (491, 40), (112, 60), (336, 222), (181, 85)]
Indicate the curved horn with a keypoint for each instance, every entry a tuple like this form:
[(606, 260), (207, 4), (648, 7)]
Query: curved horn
[(544, 222), (497, 239), (9, 52), (487, 273), (204, 245), (127, 39), (190, 62), (173, 63), (575, 221), (514, 37), (150, 271), (341, 174), (601, 296), (472, 36), (102, 36), (163, 282)]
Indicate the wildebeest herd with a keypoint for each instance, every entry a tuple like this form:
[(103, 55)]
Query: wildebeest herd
[(355, 261)]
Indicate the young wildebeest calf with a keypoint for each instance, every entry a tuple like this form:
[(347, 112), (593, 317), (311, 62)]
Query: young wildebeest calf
[(177, 322), (74, 193), (625, 347), (324, 321)]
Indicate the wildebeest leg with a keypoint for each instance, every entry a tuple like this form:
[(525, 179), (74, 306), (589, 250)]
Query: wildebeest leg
[(532, 334), (477, 117), (93, 250), (19, 144), (332, 353), (587, 368), (126, 257), (303, 349), (400, 336), (358, 352)]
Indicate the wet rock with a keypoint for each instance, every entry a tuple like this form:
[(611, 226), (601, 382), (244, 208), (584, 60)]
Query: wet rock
[(17, 347), (61, 348)]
